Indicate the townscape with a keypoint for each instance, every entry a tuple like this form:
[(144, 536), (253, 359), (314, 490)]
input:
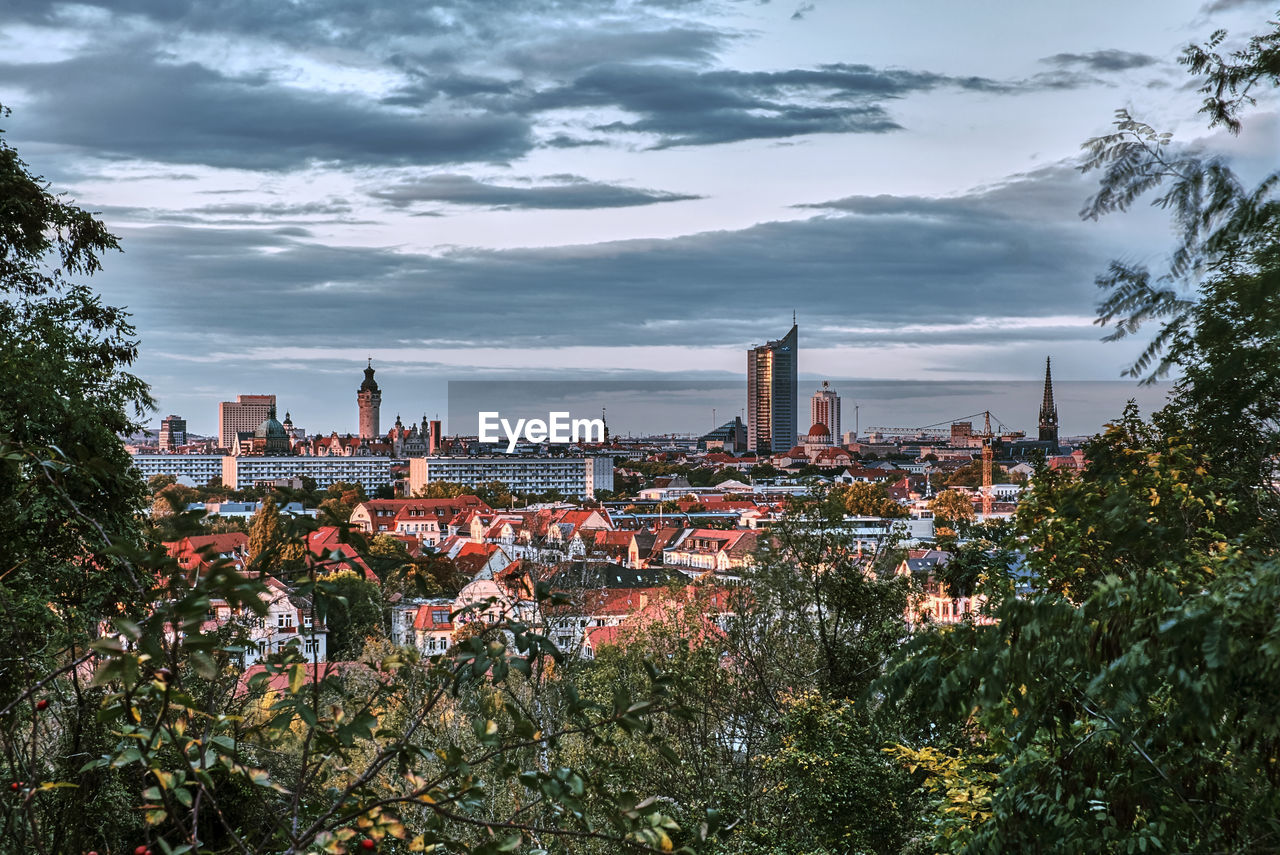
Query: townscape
[(617, 522), (786, 634)]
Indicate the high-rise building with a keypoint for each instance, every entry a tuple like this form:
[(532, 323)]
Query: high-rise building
[(369, 400), (173, 432), (1048, 409), (771, 394), (243, 415), (824, 409)]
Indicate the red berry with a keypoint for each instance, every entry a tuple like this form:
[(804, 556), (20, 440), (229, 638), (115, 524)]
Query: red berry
[(42, 704), (141, 850), (366, 845), (15, 786)]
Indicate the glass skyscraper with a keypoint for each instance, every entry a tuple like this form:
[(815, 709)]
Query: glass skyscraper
[(771, 394)]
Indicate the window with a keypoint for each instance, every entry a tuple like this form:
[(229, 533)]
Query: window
[(312, 646), (306, 621), (284, 619), (440, 616)]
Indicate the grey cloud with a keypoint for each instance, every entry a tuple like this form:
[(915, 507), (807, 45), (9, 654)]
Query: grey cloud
[(1226, 5), (688, 107), (1102, 60), (136, 106), (897, 262), (568, 191)]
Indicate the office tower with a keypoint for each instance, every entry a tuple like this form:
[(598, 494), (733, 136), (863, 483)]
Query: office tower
[(369, 400), (771, 394), (824, 409), (243, 415), (173, 432)]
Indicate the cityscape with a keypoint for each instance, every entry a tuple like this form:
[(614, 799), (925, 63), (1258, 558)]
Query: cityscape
[(639, 426)]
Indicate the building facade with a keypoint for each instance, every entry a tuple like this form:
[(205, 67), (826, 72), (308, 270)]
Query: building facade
[(580, 477), (771, 394), (824, 409), (173, 432), (239, 473), (243, 415), (369, 401), (199, 468)]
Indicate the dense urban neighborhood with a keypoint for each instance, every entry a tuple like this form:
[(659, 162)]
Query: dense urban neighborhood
[(559, 633)]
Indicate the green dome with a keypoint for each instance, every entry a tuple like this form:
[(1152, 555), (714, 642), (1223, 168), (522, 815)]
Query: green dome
[(271, 429)]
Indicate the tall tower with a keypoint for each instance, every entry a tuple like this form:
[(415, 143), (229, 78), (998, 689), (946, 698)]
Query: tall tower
[(1048, 410), (369, 399), (771, 394), (824, 408)]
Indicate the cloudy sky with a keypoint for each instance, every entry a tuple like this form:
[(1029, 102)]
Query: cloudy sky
[(580, 188)]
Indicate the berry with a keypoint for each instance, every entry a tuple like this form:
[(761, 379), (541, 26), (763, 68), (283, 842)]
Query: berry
[(366, 845), (42, 704), (141, 850)]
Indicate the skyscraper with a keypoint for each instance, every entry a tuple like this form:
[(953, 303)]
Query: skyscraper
[(369, 400), (243, 415), (1048, 409), (771, 394), (824, 409)]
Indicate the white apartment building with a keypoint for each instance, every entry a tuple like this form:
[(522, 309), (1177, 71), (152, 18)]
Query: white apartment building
[(199, 468), (371, 473), (580, 477)]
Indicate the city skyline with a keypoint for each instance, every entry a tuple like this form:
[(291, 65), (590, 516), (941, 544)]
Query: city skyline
[(602, 188), (639, 406)]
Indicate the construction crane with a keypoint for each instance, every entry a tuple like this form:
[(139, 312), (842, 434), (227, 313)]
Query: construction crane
[(902, 431), (987, 454), (988, 451)]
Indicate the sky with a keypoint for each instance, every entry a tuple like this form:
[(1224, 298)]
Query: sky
[(561, 190)]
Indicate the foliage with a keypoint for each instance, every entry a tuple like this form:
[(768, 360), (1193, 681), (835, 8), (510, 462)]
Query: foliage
[(951, 507), (1129, 701), (126, 723), (1219, 222), (970, 475), (862, 499), (352, 610)]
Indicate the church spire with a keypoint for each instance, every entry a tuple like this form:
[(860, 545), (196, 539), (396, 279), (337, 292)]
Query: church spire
[(1048, 409)]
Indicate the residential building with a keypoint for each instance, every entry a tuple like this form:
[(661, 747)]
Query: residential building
[(243, 415), (703, 549), (579, 477), (371, 473), (771, 394), (194, 469), (824, 409)]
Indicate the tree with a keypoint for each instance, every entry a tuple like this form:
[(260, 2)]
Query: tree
[(951, 508), (863, 499), (441, 490), (156, 483), (266, 535), (351, 607), (1123, 702), (125, 724), (970, 475)]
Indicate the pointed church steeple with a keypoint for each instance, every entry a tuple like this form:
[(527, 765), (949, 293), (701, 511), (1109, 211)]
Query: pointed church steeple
[(1048, 409)]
